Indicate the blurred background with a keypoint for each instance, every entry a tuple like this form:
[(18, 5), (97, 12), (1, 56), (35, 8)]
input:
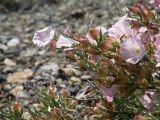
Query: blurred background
[(24, 67)]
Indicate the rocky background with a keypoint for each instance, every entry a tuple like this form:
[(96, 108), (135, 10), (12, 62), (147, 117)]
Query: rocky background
[(24, 68)]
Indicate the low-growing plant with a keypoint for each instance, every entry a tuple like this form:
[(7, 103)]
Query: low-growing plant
[(123, 60)]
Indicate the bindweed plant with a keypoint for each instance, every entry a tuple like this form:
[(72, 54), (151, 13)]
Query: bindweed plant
[(124, 62)]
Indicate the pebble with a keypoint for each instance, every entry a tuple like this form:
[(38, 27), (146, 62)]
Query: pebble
[(15, 91), (7, 87), (26, 116), (75, 79), (50, 67), (2, 78), (59, 81), (9, 62), (30, 52), (13, 42), (23, 94), (20, 77), (3, 47), (85, 77)]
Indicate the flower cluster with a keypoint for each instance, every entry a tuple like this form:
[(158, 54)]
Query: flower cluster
[(121, 59)]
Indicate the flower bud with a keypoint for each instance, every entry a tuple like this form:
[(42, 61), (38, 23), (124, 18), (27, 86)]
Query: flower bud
[(138, 117), (55, 114), (135, 9), (52, 90), (143, 83), (17, 106), (108, 44)]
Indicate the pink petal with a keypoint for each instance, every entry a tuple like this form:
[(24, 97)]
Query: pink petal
[(120, 28), (146, 102), (65, 42), (109, 93), (43, 37)]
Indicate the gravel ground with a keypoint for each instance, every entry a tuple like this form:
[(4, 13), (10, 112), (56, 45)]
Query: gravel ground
[(25, 67)]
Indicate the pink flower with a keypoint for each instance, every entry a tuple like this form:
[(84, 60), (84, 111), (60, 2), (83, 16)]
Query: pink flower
[(132, 50), (43, 37), (120, 28), (156, 3), (65, 41), (157, 42), (157, 56), (94, 33), (146, 100), (109, 93)]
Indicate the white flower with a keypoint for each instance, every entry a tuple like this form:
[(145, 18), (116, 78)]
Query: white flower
[(65, 42), (43, 37)]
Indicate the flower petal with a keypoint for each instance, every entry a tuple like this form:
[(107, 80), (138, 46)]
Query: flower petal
[(120, 28), (65, 42), (109, 93), (146, 101)]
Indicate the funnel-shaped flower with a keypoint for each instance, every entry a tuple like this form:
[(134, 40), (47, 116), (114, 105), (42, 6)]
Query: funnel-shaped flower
[(132, 50), (43, 37), (65, 41)]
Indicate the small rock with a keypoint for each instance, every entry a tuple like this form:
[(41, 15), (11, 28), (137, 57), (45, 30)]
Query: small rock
[(3, 47), (2, 78), (20, 77), (15, 91), (85, 77), (36, 106), (26, 116), (30, 52), (9, 62), (69, 70), (74, 90), (23, 94), (13, 42), (9, 69), (7, 87), (59, 81), (50, 67), (75, 79), (76, 72)]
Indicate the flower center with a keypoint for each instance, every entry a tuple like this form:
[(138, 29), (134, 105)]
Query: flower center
[(137, 50)]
